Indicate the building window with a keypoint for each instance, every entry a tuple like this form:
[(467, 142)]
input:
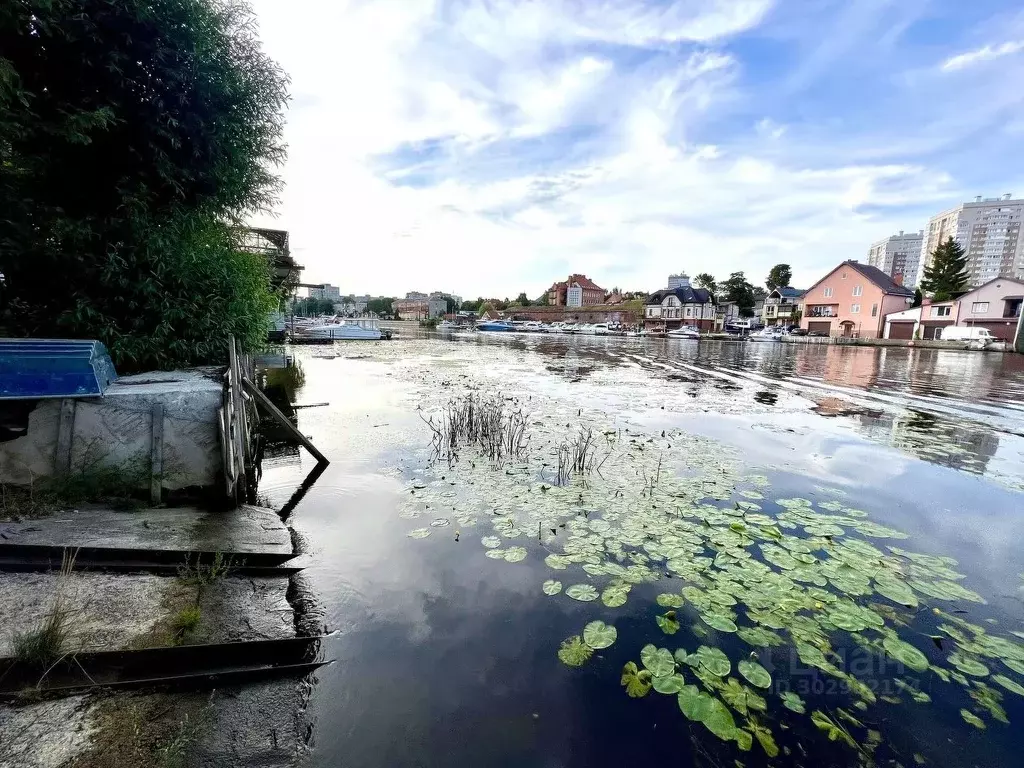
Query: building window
[(858, 290), (828, 293), (979, 307), (874, 310), (855, 309), (941, 311)]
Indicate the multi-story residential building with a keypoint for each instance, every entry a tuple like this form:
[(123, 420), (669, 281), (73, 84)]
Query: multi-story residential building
[(682, 305), (853, 300), (989, 232), (678, 281), (782, 306), (416, 296), (577, 291), (898, 255), (325, 291)]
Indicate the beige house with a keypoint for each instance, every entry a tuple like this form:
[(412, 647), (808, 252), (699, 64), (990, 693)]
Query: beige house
[(996, 305), (853, 300)]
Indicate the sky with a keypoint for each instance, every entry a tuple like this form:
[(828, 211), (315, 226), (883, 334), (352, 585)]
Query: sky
[(489, 147)]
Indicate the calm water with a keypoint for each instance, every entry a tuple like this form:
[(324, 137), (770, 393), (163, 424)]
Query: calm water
[(447, 657)]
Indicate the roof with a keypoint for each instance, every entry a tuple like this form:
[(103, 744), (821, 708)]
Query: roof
[(1000, 279), (789, 293), (686, 295), (874, 274), (905, 315), (584, 282)]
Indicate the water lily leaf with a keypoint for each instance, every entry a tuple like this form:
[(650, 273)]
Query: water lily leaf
[(743, 740), (896, 591), (670, 600), (669, 684), (764, 737), (694, 703), (491, 541), (515, 554), (755, 673), (759, 637), (659, 661), (1015, 665), (719, 720), (440, 522), (599, 635), (495, 554), (713, 660), (719, 622), (551, 587), (905, 653), (418, 533), (582, 592), (615, 595), (636, 682), (967, 665), (1009, 684), (832, 730), (811, 656), (740, 697), (558, 562), (972, 718), (793, 702), (668, 626), (574, 652)]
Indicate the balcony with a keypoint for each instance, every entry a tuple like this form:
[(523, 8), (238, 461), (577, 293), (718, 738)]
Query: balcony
[(823, 310)]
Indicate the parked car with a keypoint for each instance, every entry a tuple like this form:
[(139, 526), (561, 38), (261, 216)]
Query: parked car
[(965, 333), (796, 330)]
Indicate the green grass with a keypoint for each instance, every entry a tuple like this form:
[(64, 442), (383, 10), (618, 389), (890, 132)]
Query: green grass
[(202, 575), (185, 622), (44, 645)]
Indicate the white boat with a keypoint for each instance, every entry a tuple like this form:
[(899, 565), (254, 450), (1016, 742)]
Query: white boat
[(532, 326), (350, 329), (767, 334), (686, 332), (446, 325)]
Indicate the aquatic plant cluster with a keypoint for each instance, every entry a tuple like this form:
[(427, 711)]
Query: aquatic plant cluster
[(791, 578)]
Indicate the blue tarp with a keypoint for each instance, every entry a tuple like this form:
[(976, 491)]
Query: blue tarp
[(35, 368)]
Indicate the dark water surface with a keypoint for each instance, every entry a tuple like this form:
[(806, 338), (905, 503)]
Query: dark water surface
[(446, 657)]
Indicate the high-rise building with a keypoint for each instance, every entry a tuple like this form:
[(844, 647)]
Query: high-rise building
[(898, 256), (325, 291), (682, 280), (988, 230)]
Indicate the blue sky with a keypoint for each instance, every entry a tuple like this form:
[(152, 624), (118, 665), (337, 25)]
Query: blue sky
[(488, 147)]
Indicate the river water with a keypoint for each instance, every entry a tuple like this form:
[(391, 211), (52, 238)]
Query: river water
[(448, 656)]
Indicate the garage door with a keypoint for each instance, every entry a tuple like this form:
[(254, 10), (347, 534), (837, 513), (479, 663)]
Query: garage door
[(819, 327), (901, 331)]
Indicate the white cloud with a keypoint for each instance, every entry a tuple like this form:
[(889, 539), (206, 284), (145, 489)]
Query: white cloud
[(983, 54)]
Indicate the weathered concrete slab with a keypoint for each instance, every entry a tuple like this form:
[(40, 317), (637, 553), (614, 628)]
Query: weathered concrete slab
[(115, 431), (45, 734), (246, 529)]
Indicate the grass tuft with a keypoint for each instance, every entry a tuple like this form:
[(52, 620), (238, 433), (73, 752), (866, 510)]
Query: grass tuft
[(185, 622), (43, 646)]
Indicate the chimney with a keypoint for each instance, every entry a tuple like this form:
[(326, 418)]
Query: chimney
[(897, 278)]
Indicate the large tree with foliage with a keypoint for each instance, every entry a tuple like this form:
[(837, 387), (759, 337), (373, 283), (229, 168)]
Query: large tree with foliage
[(778, 277), (522, 300), (381, 306), (738, 289), (134, 137), (946, 276), (706, 281)]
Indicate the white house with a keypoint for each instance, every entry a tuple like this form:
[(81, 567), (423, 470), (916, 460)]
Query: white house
[(684, 305)]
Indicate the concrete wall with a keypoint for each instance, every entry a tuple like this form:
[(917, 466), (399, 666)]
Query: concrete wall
[(116, 431)]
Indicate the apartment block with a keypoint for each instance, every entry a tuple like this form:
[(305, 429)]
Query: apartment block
[(988, 230), (898, 256)]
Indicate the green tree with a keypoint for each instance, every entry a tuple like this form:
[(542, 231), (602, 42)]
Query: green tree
[(485, 307), (134, 136), (778, 277), (918, 298), (946, 276), (737, 288), (471, 306), (706, 281), (522, 300), (381, 306)]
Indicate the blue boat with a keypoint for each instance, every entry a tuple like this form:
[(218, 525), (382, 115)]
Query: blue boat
[(495, 325), (37, 368)]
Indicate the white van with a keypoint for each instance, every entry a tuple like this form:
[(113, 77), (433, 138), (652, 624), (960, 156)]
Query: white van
[(966, 333)]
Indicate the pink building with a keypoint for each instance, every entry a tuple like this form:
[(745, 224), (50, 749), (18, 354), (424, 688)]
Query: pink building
[(853, 300), (996, 305)]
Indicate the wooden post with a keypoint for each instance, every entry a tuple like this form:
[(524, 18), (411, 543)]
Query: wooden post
[(280, 418), (156, 454), (65, 437)]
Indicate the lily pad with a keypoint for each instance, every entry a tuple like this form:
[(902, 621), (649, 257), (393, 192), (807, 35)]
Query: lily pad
[(558, 562), (515, 554), (418, 533), (755, 673), (793, 702), (719, 721), (582, 592), (637, 682), (552, 587), (896, 591), (599, 635), (669, 684), (905, 653), (574, 652), (668, 626), (967, 665), (972, 718), (659, 661), (759, 637), (719, 622), (694, 703), (670, 600), (713, 660), (614, 595), (1009, 684)]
